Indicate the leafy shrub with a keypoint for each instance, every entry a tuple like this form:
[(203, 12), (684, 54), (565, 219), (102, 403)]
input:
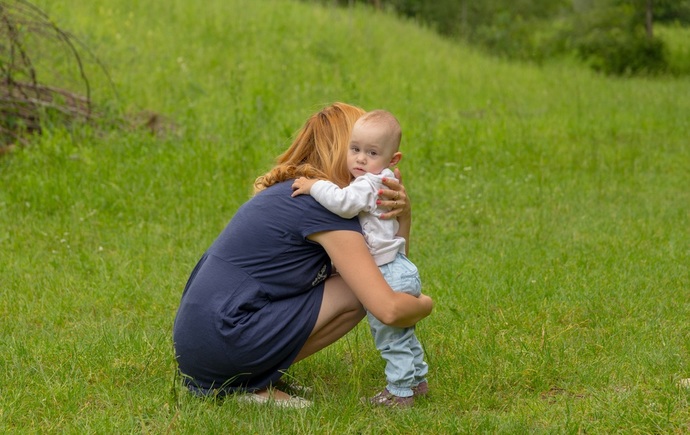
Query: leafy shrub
[(614, 41), (613, 51), (677, 47), (609, 35)]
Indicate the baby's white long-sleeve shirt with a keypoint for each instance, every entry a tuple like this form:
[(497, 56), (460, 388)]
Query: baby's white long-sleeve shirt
[(359, 199)]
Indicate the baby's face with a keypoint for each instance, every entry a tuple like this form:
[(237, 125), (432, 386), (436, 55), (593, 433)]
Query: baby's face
[(371, 149)]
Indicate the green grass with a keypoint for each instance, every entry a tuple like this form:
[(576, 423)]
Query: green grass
[(551, 227)]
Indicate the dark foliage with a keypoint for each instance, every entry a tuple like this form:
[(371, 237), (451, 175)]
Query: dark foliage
[(613, 36)]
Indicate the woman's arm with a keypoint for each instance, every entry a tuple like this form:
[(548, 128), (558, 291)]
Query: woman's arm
[(350, 255)]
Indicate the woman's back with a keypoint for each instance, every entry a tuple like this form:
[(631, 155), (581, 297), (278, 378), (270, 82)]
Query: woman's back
[(267, 238)]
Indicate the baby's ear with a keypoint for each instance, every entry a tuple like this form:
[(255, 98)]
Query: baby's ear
[(395, 160)]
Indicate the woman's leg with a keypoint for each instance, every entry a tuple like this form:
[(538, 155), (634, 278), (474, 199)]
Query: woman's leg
[(340, 312)]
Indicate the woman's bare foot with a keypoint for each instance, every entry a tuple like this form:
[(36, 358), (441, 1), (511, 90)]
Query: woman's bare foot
[(273, 393)]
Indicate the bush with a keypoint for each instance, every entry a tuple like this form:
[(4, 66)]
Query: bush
[(676, 47), (612, 51), (609, 35), (613, 41)]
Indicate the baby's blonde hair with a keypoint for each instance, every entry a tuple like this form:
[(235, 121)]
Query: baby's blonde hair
[(386, 118)]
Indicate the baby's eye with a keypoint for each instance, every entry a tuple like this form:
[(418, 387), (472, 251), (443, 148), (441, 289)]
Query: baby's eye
[(373, 153), (354, 149)]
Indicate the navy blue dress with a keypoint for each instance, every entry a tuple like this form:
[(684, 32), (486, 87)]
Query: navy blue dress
[(253, 298)]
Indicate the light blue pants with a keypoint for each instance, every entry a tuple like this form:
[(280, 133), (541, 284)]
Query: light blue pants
[(399, 347)]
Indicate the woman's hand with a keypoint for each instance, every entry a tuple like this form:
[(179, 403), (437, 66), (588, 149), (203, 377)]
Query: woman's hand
[(427, 302), (395, 197)]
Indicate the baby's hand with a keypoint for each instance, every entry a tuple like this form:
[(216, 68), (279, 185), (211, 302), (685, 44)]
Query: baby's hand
[(302, 186)]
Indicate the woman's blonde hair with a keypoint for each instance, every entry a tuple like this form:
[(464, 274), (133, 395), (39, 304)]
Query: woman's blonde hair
[(319, 149)]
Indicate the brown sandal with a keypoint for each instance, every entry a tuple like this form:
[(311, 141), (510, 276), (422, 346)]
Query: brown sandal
[(421, 389)]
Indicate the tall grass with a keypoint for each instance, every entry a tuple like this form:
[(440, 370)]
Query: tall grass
[(551, 227)]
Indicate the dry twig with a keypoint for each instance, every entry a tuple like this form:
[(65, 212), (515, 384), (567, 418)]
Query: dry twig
[(28, 38)]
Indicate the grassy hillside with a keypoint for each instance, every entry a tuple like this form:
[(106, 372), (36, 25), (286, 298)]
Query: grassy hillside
[(551, 226)]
